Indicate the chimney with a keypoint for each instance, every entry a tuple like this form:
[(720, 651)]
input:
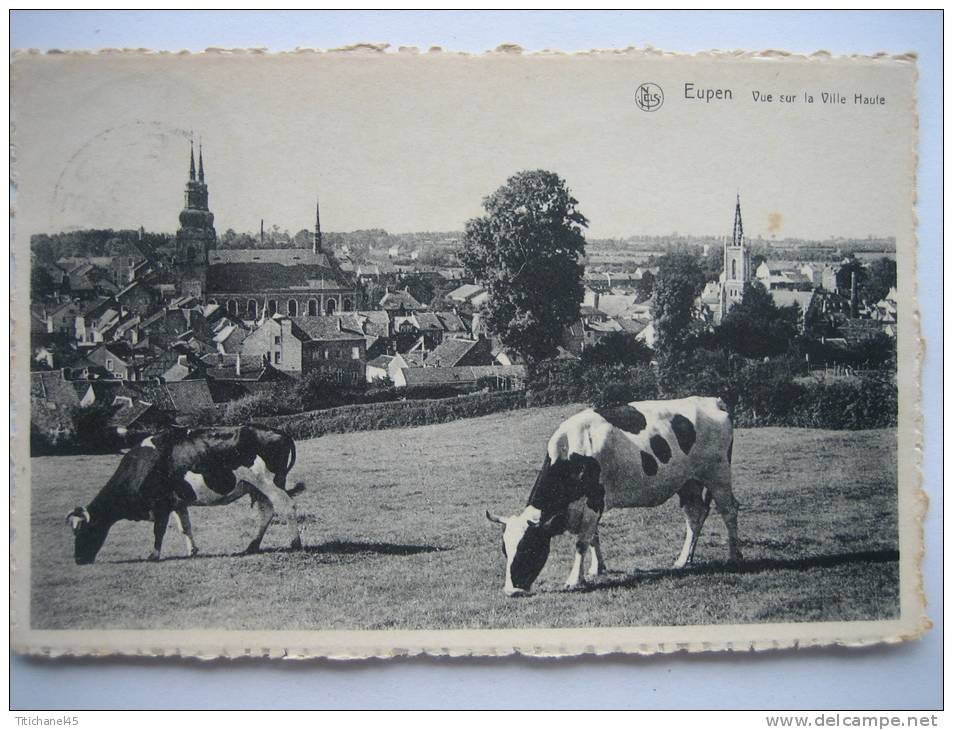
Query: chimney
[(261, 234), (853, 294)]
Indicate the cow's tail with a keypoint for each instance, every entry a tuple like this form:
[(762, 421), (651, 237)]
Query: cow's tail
[(299, 487)]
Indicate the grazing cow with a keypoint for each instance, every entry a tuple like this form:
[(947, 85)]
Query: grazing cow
[(635, 455), (178, 468)]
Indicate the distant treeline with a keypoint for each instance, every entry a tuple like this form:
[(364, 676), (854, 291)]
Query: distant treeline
[(48, 248)]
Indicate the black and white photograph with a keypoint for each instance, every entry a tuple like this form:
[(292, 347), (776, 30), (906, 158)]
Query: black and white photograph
[(355, 354)]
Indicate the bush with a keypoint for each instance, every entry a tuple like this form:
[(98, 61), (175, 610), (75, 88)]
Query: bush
[(251, 408), (402, 414)]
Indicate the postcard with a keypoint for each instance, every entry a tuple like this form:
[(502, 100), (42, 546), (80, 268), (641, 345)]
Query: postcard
[(362, 353)]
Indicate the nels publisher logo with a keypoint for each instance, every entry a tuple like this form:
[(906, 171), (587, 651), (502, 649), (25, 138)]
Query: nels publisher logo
[(649, 97)]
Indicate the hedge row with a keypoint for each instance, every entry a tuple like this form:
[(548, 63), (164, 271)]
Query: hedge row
[(857, 403), (759, 395), (400, 414)]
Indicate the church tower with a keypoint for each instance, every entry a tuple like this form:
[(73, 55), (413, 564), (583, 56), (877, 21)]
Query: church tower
[(316, 245), (737, 264), (196, 234)]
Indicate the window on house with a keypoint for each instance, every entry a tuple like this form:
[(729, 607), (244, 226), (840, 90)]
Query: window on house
[(273, 306), (109, 364), (268, 356), (277, 358), (327, 354), (292, 308), (312, 307), (277, 339), (355, 353)]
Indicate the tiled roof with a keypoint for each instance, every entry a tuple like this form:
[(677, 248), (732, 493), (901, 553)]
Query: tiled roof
[(281, 256), (452, 322), (190, 396), (449, 352), (858, 330), (129, 414), (784, 298), (398, 299), (325, 329), (616, 305), (462, 293), (222, 366), (428, 321), (179, 372), (52, 386), (257, 278), (414, 359)]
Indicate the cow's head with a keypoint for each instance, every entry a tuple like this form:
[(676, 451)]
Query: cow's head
[(525, 547), (88, 536)]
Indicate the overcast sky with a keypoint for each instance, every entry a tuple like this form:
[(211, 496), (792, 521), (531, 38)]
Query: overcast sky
[(414, 143)]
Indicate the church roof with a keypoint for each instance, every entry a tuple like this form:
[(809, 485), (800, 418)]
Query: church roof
[(261, 277), (283, 256)]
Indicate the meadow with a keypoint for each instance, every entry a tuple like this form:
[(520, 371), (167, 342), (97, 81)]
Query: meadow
[(395, 537)]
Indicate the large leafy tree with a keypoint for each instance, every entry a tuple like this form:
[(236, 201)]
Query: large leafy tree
[(674, 313), (526, 253), (881, 276), (756, 327)]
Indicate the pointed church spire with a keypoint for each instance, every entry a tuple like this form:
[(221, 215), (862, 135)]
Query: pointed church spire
[(738, 232), (191, 160), (316, 247), (201, 165)]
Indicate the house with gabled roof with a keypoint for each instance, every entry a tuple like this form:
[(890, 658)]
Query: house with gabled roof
[(138, 297), (400, 302), (457, 352), (302, 345), (119, 360)]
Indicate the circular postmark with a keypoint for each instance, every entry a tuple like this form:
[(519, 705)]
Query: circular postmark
[(649, 97)]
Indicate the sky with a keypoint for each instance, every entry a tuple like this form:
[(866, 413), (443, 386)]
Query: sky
[(409, 142)]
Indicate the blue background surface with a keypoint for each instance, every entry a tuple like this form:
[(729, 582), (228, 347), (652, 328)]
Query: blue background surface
[(900, 677)]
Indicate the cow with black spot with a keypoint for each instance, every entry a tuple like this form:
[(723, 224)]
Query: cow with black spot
[(635, 455)]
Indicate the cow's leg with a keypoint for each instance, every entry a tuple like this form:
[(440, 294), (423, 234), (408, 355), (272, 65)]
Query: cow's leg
[(185, 527), (597, 565), (727, 507), (589, 526), (696, 502), (159, 526), (266, 511), (264, 480)]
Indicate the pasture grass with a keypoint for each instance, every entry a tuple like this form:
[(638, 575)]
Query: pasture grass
[(395, 537)]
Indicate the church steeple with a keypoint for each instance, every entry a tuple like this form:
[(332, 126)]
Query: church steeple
[(737, 264), (316, 244), (737, 234), (196, 234)]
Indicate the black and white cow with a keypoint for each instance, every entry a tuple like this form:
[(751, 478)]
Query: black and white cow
[(178, 468), (635, 455)]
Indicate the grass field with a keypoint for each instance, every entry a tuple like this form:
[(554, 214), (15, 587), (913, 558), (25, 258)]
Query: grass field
[(395, 537)]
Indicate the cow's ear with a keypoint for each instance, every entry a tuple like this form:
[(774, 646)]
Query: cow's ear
[(495, 518), (77, 517), (555, 524)]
